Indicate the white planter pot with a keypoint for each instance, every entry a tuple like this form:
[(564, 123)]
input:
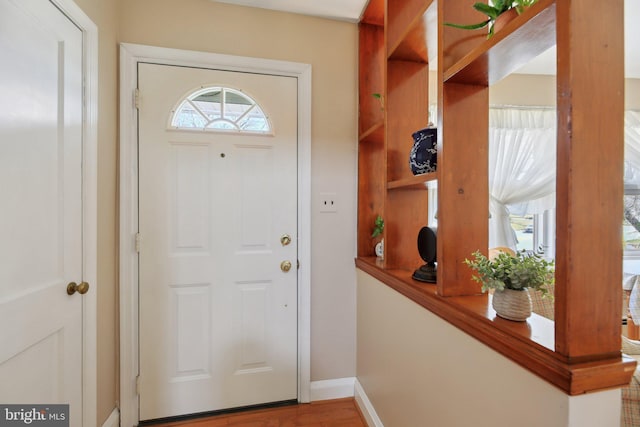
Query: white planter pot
[(512, 305)]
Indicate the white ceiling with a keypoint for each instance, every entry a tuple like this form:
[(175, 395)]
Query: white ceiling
[(344, 10), (351, 10)]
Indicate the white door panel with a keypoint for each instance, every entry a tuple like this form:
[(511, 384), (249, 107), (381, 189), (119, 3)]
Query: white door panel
[(218, 317), (41, 214)]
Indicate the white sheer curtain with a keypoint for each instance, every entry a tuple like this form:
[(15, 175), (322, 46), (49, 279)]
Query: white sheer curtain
[(522, 164), (522, 170), (632, 181), (522, 167), (632, 149)]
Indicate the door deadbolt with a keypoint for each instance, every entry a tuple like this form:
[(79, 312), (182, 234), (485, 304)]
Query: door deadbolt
[(81, 288), (285, 239)]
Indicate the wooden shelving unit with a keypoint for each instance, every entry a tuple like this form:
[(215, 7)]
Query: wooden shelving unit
[(582, 350), (394, 63), (371, 152)]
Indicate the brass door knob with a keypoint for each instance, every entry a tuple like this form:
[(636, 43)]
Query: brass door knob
[(81, 288), (285, 266)]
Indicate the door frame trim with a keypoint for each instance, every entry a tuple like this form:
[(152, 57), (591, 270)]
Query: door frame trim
[(130, 56), (89, 206)]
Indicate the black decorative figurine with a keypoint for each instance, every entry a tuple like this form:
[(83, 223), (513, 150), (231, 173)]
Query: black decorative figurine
[(427, 248)]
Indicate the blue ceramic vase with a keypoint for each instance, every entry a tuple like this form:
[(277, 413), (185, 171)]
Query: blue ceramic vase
[(424, 155)]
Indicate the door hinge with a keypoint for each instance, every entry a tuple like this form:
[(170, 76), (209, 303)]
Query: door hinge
[(137, 242), (136, 98), (298, 264), (138, 385)]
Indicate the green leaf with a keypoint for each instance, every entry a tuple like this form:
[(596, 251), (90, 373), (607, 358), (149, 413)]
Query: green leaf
[(490, 11), (502, 5), (378, 226), (513, 272), (469, 26)]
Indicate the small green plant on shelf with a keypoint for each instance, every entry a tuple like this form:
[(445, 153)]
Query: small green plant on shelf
[(378, 227), (380, 98), (519, 272), (494, 9)]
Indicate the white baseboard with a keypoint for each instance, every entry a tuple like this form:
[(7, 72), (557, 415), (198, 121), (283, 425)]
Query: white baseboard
[(367, 409), (332, 389), (113, 420)]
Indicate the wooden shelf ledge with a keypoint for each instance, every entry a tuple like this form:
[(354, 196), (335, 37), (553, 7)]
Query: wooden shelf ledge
[(529, 344), (416, 182), (521, 40)]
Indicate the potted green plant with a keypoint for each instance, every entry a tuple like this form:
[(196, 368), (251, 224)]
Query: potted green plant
[(493, 10), (378, 228), (510, 276)]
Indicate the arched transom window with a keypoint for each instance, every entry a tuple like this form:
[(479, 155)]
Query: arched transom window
[(220, 109)]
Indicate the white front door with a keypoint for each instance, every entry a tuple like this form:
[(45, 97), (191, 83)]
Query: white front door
[(41, 250), (218, 315)]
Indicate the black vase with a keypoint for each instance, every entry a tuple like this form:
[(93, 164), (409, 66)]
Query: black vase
[(424, 155)]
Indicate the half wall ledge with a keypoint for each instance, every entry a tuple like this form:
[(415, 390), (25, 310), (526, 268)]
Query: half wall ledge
[(529, 344)]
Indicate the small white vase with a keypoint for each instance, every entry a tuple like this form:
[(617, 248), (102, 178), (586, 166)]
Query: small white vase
[(380, 249), (512, 305)]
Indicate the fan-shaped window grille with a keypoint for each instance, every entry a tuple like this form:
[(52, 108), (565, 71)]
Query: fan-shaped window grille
[(220, 109)]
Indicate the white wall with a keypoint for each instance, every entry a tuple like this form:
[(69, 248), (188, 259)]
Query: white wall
[(418, 370)]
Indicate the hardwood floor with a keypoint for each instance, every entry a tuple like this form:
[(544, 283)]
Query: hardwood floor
[(328, 413)]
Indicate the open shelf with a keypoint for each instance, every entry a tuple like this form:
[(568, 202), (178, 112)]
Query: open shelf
[(521, 40), (414, 42), (405, 18), (407, 112), (415, 183), (371, 79), (414, 46)]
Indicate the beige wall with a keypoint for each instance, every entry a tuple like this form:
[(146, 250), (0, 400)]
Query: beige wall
[(632, 94), (418, 370), (524, 89), (104, 13), (539, 90), (331, 48), (533, 90)]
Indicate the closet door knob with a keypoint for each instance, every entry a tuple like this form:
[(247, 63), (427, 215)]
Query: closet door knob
[(81, 288)]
